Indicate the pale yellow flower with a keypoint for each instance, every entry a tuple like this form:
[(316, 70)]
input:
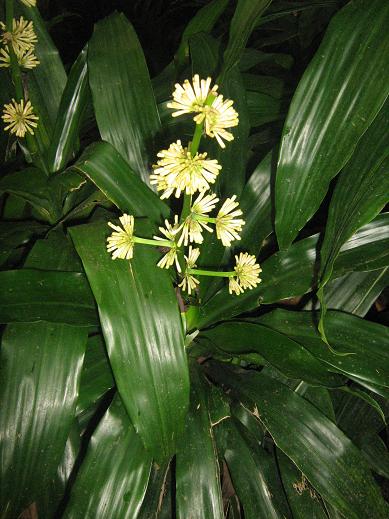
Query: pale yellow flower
[(189, 282), (191, 98), (29, 3), (227, 225), (247, 274), (192, 228), (19, 117), (170, 233), (26, 59), (121, 242), (219, 116), (176, 170), (22, 36)]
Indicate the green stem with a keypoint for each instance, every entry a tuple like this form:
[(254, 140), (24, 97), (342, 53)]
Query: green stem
[(156, 243), (214, 273), (201, 218), (194, 145)]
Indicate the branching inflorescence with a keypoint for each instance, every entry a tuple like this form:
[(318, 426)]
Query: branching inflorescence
[(183, 171)]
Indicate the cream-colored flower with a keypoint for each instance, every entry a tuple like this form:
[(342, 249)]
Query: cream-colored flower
[(227, 225), (26, 59), (192, 229), (176, 170), (121, 242), (170, 233), (189, 282), (247, 274), (191, 98), (29, 3), (19, 117), (219, 116), (22, 36)]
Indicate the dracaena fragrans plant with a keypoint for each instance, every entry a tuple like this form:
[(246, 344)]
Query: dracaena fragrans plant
[(194, 261)]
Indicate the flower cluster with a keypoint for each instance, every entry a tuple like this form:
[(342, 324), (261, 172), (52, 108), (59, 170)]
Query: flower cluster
[(183, 170), (18, 47)]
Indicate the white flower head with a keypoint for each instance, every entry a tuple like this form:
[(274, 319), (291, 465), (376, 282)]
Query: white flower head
[(192, 229), (22, 37), (227, 224), (247, 274), (219, 116), (176, 170), (189, 282), (169, 233), (191, 98), (26, 59), (20, 118), (121, 242)]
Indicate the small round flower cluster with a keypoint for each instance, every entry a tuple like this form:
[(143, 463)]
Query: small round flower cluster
[(182, 170), (18, 115)]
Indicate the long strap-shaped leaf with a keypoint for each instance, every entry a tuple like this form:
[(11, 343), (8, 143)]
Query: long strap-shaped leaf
[(123, 98), (112, 480), (104, 166), (329, 460), (67, 125), (339, 95), (143, 333), (198, 490)]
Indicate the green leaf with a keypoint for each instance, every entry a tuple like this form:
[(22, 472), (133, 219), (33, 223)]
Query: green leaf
[(302, 498), (256, 205), (104, 166), (143, 333), (96, 376), (263, 108), (112, 480), (31, 185), (338, 97), (376, 453), (64, 141), (293, 360), (293, 272), (242, 24), (123, 98), (198, 491), (203, 21), (40, 387), (14, 235), (368, 342), (42, 295), (329, 460), (356, 292), (254, 473)]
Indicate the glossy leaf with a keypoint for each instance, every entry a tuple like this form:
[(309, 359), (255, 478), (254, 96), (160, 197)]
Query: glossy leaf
[(256, 205), (263, 109), (29, 295), (302, 498), (96, 376), (376, 454), (368, 342), (338, 97), (198, 491), (293, 272), (64, 141), (356, 292), (14, 235), (253, 472), (242, 24), (40, 386), (293, 360), (329, 460), (202, 22), (361, 191), (104, 166), (143, 334), (31, 185), (117, 75), (112, 480)]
